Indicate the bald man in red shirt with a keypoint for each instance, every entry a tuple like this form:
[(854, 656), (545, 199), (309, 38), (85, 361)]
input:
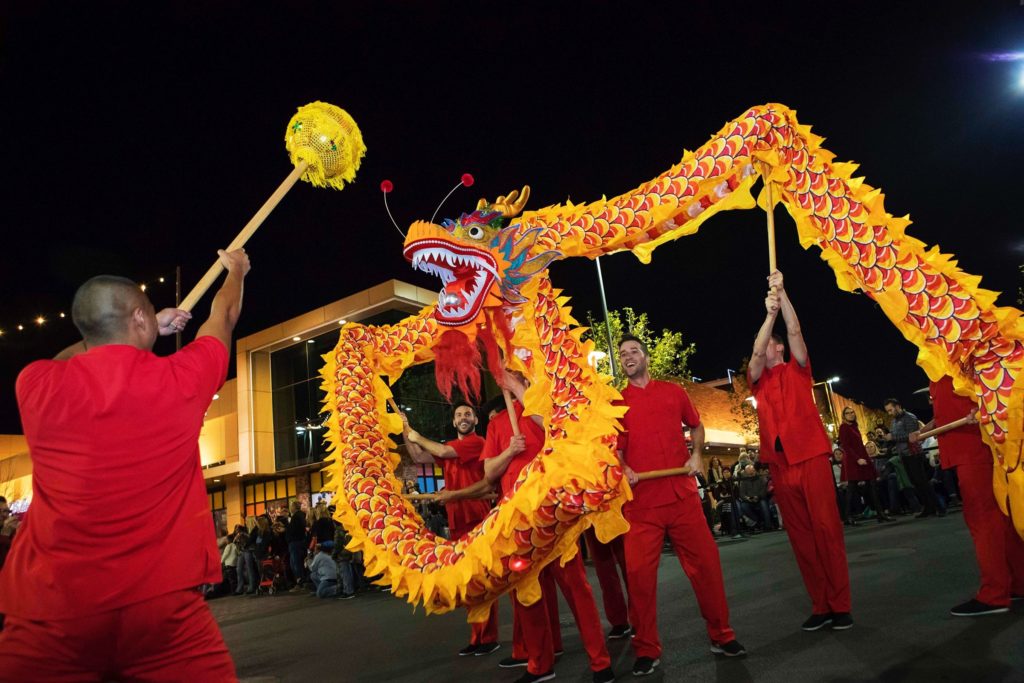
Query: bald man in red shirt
[(462, 467), (102, 581), (796, 448), (652, 439), (997, 546)]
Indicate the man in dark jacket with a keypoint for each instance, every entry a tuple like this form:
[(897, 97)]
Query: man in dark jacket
[(903, 425), (295, 534), (753, 494)]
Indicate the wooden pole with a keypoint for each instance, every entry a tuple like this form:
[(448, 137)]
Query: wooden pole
[(394, 406), (419, 496), (945, 428), (658, 474), (513, 420), (772, 265), (255, 222)]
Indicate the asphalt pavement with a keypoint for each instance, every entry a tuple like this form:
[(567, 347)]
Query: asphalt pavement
[(905, 577)]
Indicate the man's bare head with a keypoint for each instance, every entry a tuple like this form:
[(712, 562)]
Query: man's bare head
[(108, 309)]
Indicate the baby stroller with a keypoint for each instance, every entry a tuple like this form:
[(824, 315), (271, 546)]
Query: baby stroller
[(272, 577)]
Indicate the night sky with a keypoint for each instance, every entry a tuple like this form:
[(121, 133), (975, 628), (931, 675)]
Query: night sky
[(141, 136)]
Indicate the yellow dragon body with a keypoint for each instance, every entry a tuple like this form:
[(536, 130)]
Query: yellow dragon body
[(493, 263)]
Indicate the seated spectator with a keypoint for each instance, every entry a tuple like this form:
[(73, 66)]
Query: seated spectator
[(725, 494), (741, 463), (901, 489), (323, 573), (752, 490)]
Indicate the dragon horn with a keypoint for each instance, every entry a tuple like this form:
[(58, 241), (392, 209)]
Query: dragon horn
[(509, 205)]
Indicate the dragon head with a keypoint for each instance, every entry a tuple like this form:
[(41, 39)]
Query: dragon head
[(481, 259)]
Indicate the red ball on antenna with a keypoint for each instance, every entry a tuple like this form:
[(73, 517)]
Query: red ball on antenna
[(467, 180), (386, 186)]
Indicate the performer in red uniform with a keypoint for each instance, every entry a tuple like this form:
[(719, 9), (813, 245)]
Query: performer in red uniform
[(652, 439), (609, 560), (91, 592), (794, 444), (504, 456), (858, 468), (998, 548), (460, 461)]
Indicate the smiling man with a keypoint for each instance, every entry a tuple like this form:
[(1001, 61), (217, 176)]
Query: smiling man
[(460, 461), (652, 439)]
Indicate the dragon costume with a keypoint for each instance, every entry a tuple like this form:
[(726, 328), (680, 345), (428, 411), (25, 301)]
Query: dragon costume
[(496, 291)]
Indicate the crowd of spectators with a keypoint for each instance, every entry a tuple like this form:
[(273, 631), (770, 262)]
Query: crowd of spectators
[(286, 550), (888, 477)]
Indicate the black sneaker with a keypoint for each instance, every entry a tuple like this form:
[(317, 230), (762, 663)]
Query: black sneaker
[(535, 678), (346, 596), (468, 650), (618, 632), (559, 653), (841, 621), (604, 676), (1013, 598), (512, 663), (486, 649), (816, 622), (644, 666), (973, 608), (730, 649)]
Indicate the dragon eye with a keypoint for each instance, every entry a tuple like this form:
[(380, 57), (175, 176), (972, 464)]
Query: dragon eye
[(475, 232)]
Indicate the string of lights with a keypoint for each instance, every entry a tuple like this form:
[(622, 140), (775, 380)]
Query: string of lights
[(43, 319)]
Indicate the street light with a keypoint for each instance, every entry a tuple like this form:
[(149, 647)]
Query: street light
[(833, 423)]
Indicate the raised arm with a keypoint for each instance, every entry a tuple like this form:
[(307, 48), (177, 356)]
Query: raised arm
[(227, 304), (764, 336), (797, 347)]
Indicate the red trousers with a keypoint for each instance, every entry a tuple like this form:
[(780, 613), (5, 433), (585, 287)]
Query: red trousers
[(532, 629), (998, 548), (605, 557), (688, 532), (484, 631), (806, 495), (172, 637)]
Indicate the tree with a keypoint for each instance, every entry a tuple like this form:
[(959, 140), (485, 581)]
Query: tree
[(670, 355)]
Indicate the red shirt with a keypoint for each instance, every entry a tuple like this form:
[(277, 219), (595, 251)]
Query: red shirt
[(499, 433), (852, 444), (963, 445), (465, 469), (652, 439), (119, 509), (786, 411)]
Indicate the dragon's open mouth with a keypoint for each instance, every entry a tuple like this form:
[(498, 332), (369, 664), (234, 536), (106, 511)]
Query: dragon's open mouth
[(467, 275)]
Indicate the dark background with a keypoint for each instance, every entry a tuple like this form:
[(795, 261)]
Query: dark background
[(140, 136)]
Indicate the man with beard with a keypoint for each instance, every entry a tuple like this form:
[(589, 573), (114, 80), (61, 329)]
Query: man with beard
[(905, 423), (535, 631), (652, 439), (796, 448), (462, 467)]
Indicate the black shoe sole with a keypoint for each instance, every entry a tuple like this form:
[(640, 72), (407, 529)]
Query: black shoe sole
[(816, 628), (719, 651)]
